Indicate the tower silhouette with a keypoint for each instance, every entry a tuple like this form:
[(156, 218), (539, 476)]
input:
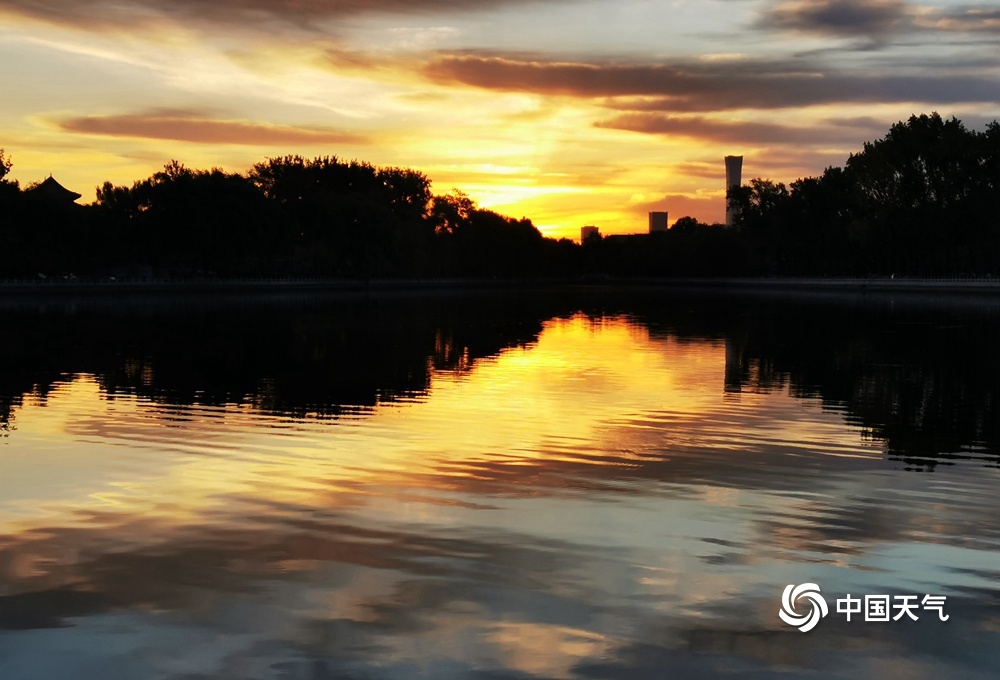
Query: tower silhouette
[(734, 178)]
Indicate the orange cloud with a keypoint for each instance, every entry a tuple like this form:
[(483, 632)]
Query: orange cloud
[(707, 209), (202, 130)]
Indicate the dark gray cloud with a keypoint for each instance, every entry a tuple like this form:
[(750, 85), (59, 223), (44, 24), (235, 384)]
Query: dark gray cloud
[(248, 13), (876, 20), (708, 86), (192, 127), (838, 17)]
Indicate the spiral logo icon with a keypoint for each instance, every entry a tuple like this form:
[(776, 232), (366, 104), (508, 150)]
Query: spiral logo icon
[(818, 608)]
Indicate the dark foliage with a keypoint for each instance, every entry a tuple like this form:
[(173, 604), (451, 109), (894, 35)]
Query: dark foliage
[(921, 201), (285, 217)]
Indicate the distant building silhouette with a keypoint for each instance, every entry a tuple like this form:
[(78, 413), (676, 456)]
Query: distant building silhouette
[(51, 191), (589, 231), (657, 222), (734, 178)]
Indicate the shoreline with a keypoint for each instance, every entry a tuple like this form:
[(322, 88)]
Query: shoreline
[(987, 286)]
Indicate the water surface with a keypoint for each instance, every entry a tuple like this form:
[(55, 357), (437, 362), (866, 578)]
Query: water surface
[(521, 486)]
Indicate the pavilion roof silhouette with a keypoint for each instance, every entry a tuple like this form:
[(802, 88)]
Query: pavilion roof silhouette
[(52, 190)]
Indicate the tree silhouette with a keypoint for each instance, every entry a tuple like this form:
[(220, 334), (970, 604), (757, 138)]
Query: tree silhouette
[(921, 200), (5, 165)]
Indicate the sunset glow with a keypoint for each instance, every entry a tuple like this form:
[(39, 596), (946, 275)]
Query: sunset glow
[(569, 112)]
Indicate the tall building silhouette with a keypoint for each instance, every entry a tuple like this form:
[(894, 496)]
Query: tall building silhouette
[(657, 221), (590, 231), (734, 178)]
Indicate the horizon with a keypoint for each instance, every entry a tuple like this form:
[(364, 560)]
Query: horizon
[(627, 108)]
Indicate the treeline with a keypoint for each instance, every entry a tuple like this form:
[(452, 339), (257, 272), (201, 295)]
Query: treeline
[(284, 217), (924, 200)]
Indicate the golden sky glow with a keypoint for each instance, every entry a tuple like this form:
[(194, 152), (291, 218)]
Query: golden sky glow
[(569, 112)]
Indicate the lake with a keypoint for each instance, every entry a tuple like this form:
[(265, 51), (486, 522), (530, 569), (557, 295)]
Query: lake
[(580, 483)]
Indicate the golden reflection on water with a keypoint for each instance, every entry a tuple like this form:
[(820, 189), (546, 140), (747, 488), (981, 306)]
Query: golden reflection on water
[(588, 393)]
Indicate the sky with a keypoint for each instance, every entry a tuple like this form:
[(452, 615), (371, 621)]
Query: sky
[(568, 112)]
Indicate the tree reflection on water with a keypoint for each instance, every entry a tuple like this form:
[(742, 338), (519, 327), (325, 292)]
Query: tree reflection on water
[(918, 374)]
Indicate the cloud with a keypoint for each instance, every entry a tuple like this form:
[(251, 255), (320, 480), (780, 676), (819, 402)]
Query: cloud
[(743, 132), (969, 19), (656, 123), (709, 209), (876, 19), (704, 168), (689, 86), (365, 62), (871, 18), (190, 127), (263, 14)]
